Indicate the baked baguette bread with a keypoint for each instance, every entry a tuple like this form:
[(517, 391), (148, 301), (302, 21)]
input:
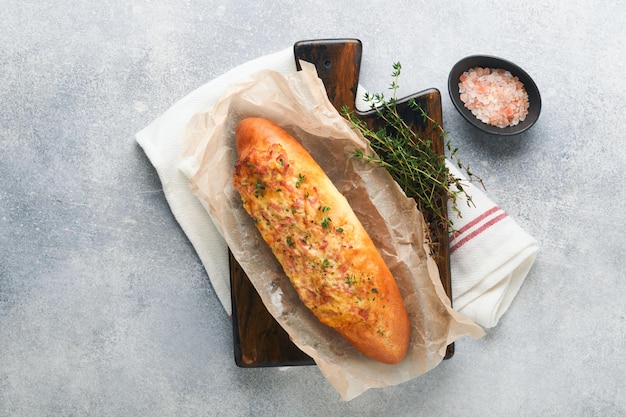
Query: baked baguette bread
[(324, 250)]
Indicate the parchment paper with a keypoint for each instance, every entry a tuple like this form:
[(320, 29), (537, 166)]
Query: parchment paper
[(298, 102)]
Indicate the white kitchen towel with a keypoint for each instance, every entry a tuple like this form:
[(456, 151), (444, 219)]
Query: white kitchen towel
[(485, 277), (490, 256)]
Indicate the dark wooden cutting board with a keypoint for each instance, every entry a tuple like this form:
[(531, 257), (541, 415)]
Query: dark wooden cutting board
[(259, 341)]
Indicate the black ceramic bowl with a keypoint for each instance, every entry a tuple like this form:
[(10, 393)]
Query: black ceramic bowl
[(484, 61)]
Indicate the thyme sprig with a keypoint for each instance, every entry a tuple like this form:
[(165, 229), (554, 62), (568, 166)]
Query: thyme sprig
[(419, 170)]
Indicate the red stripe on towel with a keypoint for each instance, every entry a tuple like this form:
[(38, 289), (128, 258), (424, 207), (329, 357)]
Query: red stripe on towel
[(479, 230), (475, 221)]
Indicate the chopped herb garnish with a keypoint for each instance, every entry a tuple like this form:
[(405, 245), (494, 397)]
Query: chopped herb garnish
[(259, 188), (300, 180)]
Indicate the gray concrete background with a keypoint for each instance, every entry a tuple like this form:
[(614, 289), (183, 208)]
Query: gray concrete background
[(105, 308)]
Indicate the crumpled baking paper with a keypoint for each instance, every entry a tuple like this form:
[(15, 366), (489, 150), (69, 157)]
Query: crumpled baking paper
[(298, 102)]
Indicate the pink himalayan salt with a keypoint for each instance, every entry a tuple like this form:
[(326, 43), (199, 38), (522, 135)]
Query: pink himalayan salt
[(494, 96)]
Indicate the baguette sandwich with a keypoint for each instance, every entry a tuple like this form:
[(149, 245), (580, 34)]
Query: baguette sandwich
[(320, 243)]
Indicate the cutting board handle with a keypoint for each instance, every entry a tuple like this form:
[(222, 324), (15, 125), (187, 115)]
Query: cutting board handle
[(338, 64)]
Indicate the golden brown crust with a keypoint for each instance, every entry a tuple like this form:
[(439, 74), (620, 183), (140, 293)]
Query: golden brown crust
[(322, 246)]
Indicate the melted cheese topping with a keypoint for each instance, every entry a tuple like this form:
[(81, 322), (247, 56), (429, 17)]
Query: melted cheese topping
[(314, 245)]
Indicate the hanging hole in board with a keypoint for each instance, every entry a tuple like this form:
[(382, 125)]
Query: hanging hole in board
[(327, 64)]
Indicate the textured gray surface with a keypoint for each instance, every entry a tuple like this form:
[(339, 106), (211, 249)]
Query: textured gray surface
[(105, 308)]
